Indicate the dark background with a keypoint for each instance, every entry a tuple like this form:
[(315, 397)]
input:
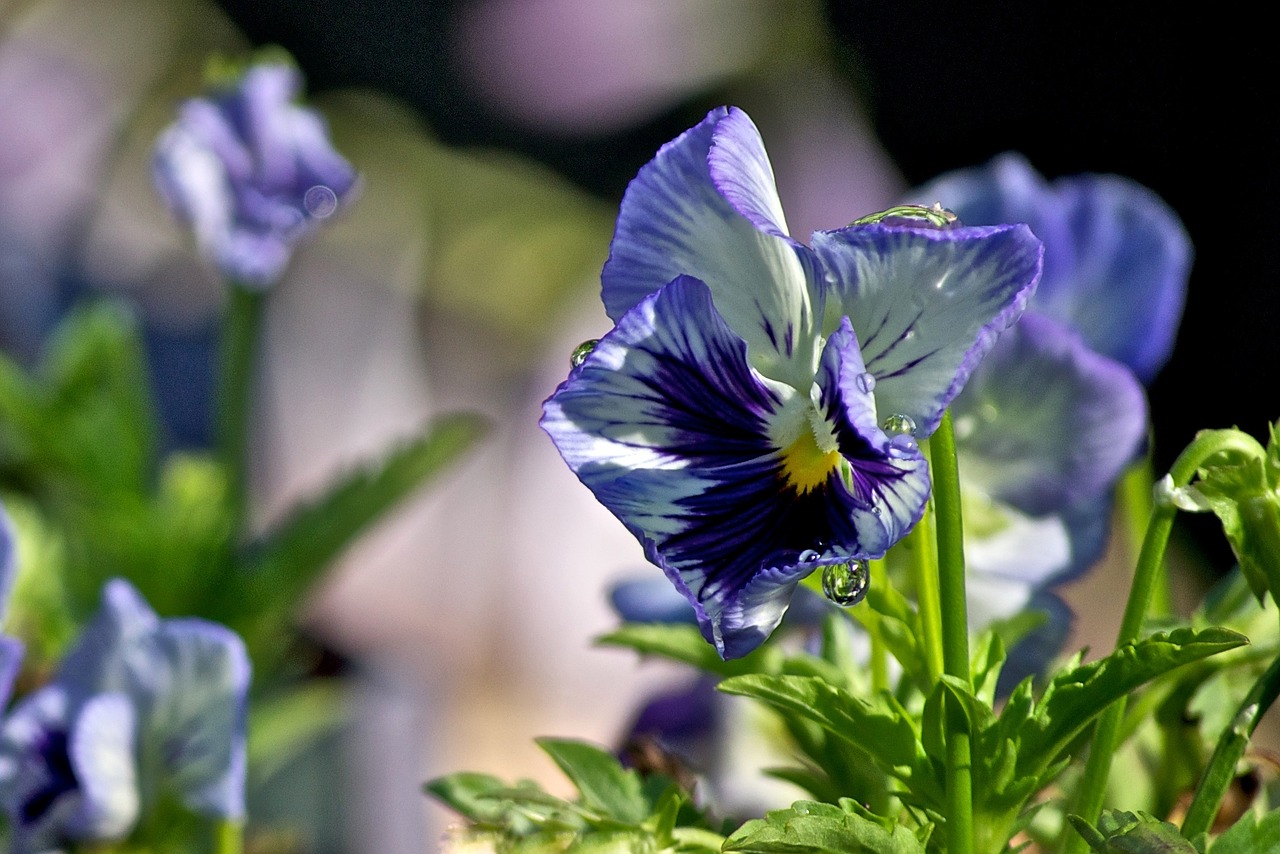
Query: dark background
[(1181, 103)]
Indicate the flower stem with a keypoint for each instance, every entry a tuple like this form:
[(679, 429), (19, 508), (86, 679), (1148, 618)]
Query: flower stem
[(879, 654), (228, 837), (236, 382), (954, 619), (1106, 739), (1134, 497), (1221, 769), (924, 569)]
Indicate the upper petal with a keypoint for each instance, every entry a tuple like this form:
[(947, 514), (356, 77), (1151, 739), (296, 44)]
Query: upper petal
[(1132, 259), (1045, 422), (706, 207), (926, 304), (99, 661)]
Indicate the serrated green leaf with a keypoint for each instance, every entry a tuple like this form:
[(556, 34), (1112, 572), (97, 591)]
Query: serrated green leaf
[(605, 786), (293, 554), (1121, 832), (684, 643), (818, 828), (1074, 698), (879, 730), (1239, 490), (1250, 835)]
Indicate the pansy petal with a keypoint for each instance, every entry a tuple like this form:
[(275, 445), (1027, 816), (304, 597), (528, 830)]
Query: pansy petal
[(1132, 259), (675, 220), (100, 659), (195, 677), (101, 749), (671, 429), (8, 564), (651, 599), (1006, 189), (927, 304), (1045, 422)]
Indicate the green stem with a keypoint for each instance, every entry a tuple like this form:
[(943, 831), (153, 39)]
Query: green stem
[(235, 389), (1134, 496), (228, 837), (920, 545), (1106, 739), (879, 654), (1221, 769), (954, 621)]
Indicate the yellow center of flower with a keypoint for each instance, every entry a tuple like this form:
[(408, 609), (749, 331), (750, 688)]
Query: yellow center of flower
[(806, 464)]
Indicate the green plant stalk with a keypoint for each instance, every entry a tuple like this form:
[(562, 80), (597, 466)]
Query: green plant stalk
[(1106, 739), (1221, 769), (228, 837), (1134, 497), (954, 619), (879, 655), (920, 546), (236, 380)]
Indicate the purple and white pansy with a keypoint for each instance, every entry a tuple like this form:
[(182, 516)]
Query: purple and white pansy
[(141, 710), (1051, 419), (251, 172), (752, 415)]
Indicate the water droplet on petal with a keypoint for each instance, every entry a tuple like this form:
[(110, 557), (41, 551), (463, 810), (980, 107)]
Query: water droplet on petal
[(829, 278), (846, 583), (866, 382), (582, 351), (809, 556), (320, 201), (896, 425), (1187, 498), (904, 443)]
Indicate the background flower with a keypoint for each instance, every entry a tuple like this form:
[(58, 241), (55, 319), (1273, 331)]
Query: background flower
[(251, 172)]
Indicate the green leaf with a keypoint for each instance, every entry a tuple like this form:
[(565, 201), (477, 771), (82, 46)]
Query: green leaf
[(817, 828), (605, 786), (293, 554), (1074, 698), (284, 726), (1250, 835), (684, 643), (1241, 491), (1131, 833), (881, 730)]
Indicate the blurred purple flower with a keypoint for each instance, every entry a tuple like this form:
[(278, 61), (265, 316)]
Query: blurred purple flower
[(252, 173), (142, 709), (10, 648), (732, 418), (1051, 419)]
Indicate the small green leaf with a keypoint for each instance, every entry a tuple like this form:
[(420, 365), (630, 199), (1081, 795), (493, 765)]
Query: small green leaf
[(1131, 833), (684, 643), (605, 786), (1074, 698), (1250, 835), (818, 828), (1239, 488), (282, 727)]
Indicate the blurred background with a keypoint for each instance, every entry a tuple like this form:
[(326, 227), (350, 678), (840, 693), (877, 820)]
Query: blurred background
[(495, 139)]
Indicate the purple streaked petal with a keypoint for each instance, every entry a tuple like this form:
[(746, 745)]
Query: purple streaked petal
[(101, 749), (192, 678), (926, 304), (99, 660), (674, 221), (8, 565), (1132, 258), (1045, 422)]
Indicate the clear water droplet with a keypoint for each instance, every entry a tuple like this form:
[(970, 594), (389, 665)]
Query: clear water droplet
[(904, 443), (582, 351), (320, 201), (846, 583), (829, 278), (898, 425), (1187, 498), (866, 382), (809, 556)]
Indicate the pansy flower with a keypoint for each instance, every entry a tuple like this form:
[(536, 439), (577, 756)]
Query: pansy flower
[(251, 172), (141, 710), (753, 414), (1051, 419)]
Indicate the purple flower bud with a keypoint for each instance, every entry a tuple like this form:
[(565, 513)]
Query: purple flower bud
[(252, 173)]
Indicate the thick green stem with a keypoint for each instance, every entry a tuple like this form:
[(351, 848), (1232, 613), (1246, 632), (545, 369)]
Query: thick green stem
[(954, 619), (1134, 497), (1221, 769), (235, 389), (1106, 738), (879, 653), (228, 837), (920, 545)]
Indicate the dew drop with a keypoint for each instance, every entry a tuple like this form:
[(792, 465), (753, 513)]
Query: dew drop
[(904, 443), (899, 425), (320, 201), (830, 278), (846, 583), (866, 382), (582, 351), (809, 556)]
